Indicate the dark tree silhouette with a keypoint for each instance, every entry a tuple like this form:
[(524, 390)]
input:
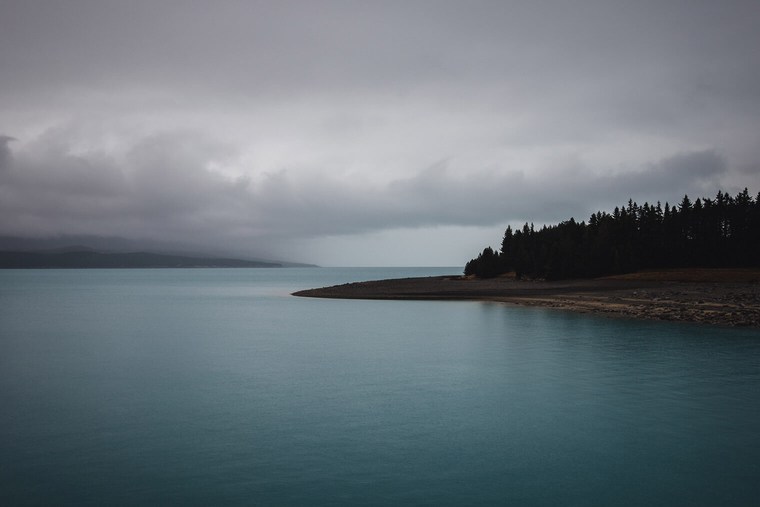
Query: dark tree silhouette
[(720, 232)]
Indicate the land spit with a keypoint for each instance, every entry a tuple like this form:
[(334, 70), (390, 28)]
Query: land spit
[(719, 297)]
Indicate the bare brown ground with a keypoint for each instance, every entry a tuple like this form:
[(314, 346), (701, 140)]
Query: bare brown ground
[(729, 297)]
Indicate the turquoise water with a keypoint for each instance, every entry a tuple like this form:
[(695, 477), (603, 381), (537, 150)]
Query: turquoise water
[(215, 387)]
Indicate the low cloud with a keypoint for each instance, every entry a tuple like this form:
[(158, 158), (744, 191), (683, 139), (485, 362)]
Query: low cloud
[(169, 187), (5, 153)]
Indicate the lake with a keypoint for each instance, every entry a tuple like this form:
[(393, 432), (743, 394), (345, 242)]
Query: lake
[(216, 387)]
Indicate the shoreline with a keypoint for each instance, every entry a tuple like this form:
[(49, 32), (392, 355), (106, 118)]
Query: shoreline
[(710, 298)]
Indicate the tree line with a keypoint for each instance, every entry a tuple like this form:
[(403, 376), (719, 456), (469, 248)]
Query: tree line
[(719, 232)]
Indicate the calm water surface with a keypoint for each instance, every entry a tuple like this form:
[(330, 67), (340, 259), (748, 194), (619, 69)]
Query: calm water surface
[(215, 387)]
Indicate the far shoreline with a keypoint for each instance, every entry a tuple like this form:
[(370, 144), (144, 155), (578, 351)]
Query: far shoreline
[(726, 297)]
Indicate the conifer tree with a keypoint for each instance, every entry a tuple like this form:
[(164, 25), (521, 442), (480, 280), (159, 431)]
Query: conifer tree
[(720, 232)]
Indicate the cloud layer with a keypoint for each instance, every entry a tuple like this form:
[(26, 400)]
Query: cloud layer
[(281, 129)]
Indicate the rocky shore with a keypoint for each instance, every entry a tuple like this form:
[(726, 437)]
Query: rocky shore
[(716, 297)]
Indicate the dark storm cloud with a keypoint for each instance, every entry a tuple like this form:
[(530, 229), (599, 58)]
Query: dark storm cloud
[(5, 152), (163, 187), (243, 122), (158, 186)]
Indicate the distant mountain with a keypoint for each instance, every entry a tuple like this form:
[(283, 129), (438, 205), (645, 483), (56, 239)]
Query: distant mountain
[(89, 242), (69, 258), (134, 253)]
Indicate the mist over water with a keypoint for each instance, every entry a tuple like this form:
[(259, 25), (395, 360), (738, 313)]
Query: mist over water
[(201, 387)]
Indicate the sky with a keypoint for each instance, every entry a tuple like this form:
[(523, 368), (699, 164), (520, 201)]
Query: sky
[(366, 133)]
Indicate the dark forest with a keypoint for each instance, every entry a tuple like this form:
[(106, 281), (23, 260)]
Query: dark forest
[(719, 232)]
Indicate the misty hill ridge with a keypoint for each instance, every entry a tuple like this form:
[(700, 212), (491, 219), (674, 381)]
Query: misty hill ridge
[(81, 258)]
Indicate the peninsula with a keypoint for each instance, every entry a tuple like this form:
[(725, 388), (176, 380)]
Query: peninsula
[(728, 297), (696, 262)]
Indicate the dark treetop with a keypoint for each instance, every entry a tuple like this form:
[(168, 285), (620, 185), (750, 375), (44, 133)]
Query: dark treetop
[(719, 232)]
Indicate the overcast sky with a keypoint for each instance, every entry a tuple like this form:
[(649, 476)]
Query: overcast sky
[(366, 133)]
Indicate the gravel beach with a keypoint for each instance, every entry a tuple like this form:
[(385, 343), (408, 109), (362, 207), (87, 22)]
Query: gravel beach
[(718, 297)]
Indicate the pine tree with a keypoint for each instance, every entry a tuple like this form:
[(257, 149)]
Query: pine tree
[(720, 232)]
